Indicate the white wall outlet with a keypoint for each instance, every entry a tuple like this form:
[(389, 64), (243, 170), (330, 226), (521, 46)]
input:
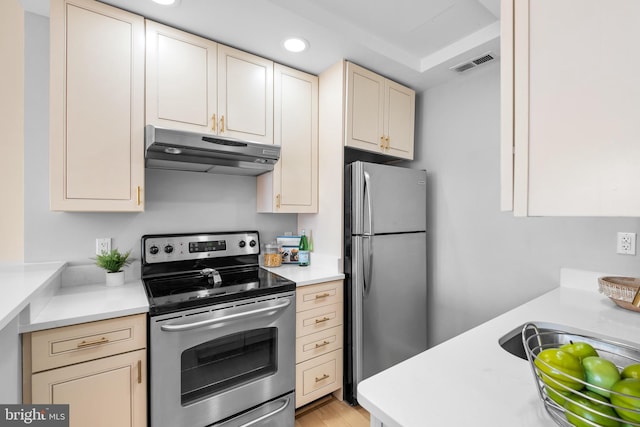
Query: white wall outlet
[(103, 245), (626, 244)]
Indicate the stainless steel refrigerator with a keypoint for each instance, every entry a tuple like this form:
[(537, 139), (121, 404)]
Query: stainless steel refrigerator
[(385, 266)]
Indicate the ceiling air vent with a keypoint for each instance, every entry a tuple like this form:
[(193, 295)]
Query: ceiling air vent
[(473, 63)]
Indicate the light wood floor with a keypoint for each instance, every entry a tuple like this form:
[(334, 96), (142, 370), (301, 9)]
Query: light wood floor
[(332, 413)]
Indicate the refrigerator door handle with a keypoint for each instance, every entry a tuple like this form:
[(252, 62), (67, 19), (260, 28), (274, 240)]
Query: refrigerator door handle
[(367, 265), (367, 194)]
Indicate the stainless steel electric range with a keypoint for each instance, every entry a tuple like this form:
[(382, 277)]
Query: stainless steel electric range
[(221, 332)]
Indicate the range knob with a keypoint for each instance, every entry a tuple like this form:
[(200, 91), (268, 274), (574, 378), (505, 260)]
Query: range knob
[(153, 250), (168, 249), (242, 243), (252, 243)]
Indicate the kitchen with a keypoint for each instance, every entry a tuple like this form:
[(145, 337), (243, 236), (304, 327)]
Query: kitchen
[(482, 262)]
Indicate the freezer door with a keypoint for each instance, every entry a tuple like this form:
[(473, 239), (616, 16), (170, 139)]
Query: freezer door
[(387, 199), (390, 313)]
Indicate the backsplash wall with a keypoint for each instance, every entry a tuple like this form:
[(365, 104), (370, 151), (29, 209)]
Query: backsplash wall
[(174, 201)]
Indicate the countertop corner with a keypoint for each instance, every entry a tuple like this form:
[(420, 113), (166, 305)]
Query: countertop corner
[(323, 268)]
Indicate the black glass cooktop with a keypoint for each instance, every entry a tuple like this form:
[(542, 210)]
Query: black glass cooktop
[(179, 291)]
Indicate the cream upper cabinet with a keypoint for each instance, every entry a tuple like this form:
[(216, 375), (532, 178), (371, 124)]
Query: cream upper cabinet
[(245, 95), (181, 80), (195, 84), (380, 114), (570, 108), (96, 107), (293, 184)]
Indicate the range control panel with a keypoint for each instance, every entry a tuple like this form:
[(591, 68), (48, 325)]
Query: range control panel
[(178, 247)]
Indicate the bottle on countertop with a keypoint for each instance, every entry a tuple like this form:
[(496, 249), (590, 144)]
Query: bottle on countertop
[(303, 251)]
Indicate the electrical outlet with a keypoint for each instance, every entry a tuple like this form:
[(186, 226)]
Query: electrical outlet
[(103, 245), (626, 244)]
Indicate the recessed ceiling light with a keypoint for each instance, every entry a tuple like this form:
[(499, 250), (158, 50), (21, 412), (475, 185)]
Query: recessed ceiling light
[(295, 44), (167, 2)]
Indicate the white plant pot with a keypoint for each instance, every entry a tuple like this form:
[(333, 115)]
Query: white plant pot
[(115, 279)]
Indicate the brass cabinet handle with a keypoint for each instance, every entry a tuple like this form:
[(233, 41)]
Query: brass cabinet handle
[(214, 122), (138, 198), (324, 319), (324, 377), (84, 343), (139, 371), (323, 344), (326, 294), (278, 201), (222, 124), (386, 138), (382, 141)]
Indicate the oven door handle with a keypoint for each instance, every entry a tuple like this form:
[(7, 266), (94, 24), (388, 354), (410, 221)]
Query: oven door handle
[(269, 415), (189, 326)]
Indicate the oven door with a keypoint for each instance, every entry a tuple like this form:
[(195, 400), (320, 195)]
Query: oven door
[(211, 363)]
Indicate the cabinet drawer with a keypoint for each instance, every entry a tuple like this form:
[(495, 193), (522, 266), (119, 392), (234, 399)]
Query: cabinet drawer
[(318, 377), (319, 343), (53, 348), (318, 319), (308, 297)]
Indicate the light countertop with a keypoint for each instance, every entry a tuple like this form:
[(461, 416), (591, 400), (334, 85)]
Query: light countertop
[(471, 380), (22, 282), (71, 305), (35, 293), (322, 268)]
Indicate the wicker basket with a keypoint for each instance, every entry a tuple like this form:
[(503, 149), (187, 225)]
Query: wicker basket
[(536, 339), (621, 290)]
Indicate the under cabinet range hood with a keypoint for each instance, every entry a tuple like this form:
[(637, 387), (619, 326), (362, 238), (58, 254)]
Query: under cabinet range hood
[(189, 151)]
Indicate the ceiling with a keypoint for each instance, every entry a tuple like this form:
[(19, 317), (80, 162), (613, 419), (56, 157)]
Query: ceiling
[(411, 41)]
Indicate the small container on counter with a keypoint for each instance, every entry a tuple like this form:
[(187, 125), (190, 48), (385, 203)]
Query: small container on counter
[(272, 255)]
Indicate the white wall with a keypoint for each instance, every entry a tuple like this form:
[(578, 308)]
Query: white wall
[(175, 201), (10, 364), (483, 262)]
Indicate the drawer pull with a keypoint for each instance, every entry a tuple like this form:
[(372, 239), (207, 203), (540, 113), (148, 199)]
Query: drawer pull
[(326, 294), (139, 371), (324, 319), (323, 344), (84, 343), (324, 377)]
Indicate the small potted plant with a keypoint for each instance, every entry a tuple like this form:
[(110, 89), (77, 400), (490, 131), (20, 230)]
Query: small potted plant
[(113, 261)]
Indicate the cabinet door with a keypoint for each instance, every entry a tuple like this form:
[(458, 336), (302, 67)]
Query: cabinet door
[(576, 126), (102, 393), (180, 80), (292, 187), (96, 107), (365, 109), (245, 95), (399, 119)]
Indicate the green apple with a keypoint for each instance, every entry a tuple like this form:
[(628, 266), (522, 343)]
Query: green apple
[(631, 371), (580, 349), (595, 410), (601, 373), (558, 396), (629, 398), (559, 369)]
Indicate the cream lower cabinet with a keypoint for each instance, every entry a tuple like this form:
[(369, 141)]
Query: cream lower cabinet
[(98, 368), (380, 114), (292, 187), (570, 108), (319, 332), (96, 113)]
